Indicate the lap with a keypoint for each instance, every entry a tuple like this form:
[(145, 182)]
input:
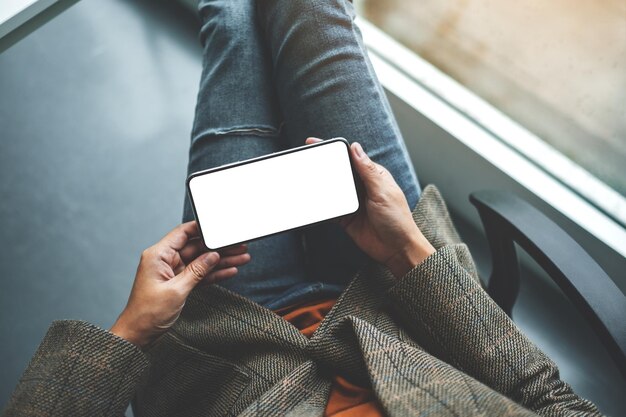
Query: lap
[(327, 87), (271, 77)]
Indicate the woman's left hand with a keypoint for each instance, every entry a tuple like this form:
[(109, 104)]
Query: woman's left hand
[(383, 227)]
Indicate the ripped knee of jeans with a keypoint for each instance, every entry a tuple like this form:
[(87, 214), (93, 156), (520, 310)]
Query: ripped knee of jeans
[(268, 131), (265, 131)]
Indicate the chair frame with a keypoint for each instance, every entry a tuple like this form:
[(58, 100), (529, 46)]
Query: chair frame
[(508, 219)]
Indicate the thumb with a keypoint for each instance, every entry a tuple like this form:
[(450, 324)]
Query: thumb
[(372, 174), (195, 272)]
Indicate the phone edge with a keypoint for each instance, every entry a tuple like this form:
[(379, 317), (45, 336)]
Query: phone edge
[(260, 158)]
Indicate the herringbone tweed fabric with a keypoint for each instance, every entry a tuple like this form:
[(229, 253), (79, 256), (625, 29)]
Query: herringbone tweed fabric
[(432, 343)]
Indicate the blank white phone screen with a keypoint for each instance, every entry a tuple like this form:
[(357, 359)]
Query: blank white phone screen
[(273, 195)]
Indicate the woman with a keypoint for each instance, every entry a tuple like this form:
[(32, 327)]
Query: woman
[(380, 313)]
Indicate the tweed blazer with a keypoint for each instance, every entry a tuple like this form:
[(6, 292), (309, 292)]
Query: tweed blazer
[(431, 343)]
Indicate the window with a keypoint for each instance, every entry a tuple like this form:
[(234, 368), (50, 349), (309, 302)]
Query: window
[(557, 67)]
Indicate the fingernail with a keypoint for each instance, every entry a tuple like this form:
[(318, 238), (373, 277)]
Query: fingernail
[(359, 150), (211, 258)]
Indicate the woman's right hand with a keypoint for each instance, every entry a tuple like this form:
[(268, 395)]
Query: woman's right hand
[(166, 274), (383, 227)]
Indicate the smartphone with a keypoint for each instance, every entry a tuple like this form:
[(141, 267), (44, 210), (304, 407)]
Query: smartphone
[(270, 194)]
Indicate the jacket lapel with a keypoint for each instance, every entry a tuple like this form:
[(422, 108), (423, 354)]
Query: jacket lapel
[(235, 329), (432, 217), (409, 381), (303, 392)]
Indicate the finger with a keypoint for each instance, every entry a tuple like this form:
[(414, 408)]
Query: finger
[(192, 250), (197, 270), (236, 260), (374, 176), (195, 247), (220, 275), (311, 140), (234, 250), (177, 265), (178, 237)]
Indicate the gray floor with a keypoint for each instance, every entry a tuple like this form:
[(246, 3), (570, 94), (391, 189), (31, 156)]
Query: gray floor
[(95, 113)]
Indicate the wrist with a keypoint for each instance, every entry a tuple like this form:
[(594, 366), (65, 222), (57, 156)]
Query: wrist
[(129, 333), (411, 255)]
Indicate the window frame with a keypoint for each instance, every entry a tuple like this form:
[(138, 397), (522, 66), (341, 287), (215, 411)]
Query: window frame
[(538, 170)]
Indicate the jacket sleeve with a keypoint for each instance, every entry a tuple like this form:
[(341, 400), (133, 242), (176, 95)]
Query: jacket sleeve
[(451, 316), (78, 370), (443, 304)]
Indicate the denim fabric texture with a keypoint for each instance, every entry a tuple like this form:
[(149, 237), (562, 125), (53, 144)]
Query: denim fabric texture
[(275, 73)]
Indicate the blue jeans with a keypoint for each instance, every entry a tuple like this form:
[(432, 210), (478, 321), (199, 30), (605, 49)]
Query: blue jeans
[(274, 73)]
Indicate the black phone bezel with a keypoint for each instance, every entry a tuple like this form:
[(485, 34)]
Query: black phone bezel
[(191, 176)]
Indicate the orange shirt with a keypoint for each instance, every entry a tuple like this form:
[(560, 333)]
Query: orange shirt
[(346, 399)]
